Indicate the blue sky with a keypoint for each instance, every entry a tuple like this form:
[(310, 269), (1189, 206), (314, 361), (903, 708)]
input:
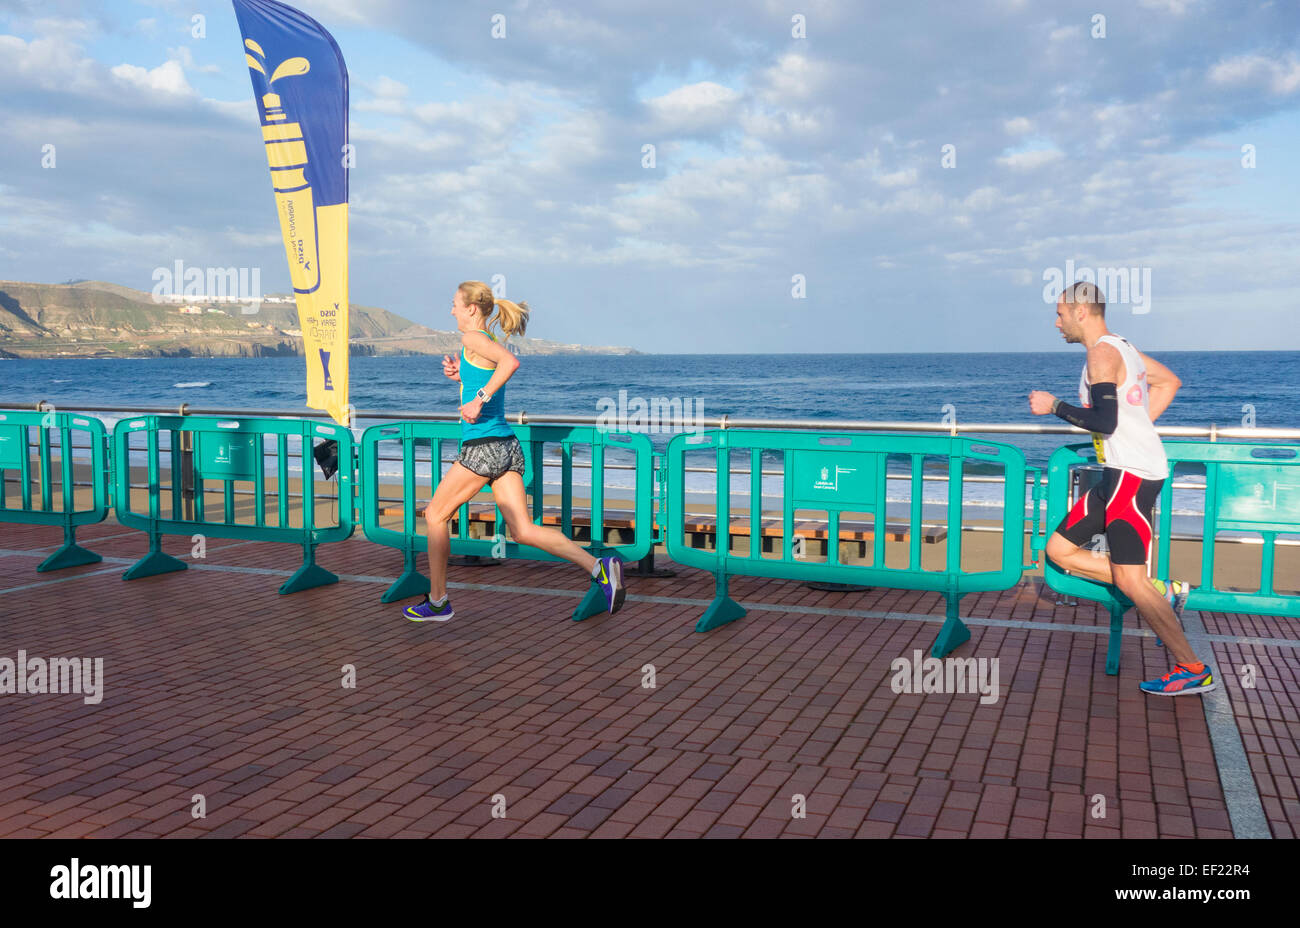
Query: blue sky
[(776, 156)]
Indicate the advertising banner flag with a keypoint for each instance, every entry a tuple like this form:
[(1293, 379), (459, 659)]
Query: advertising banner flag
[(300, 84)]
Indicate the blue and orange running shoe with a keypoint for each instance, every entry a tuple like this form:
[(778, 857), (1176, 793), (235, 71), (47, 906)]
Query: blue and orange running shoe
[(429, 611), (1181, 682), (609, 576)]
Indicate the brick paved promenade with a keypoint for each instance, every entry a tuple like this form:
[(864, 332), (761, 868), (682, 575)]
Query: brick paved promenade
[(217, 685)]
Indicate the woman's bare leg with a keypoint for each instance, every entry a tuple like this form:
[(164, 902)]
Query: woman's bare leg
[(458, 486), (508, 489)]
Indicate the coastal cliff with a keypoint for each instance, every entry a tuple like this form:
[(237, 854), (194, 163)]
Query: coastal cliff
[(93, 319)]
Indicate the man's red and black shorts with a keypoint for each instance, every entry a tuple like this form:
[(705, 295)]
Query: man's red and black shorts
[(1119, 508)]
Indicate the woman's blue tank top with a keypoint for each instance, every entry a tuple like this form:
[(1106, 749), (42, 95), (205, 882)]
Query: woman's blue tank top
[(491, 421)]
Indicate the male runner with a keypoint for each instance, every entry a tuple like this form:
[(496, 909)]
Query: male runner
[(1122, 392)]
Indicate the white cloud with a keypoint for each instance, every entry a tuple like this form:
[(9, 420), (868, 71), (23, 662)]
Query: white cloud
[(49, 63), (793, 79), (902, 178), (1175, 7), (569, 28), (982, 198), (1279, 77), (1030, 160), (384, 86), (777, 126), (693, 106), (185, 56), (65, 28), (168, 79), (1018, 126)]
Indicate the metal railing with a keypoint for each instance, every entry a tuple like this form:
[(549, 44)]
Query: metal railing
[(1213, 432)]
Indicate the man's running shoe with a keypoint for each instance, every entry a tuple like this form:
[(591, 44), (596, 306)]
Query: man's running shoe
[(428, 612), (1175, 593), (1181, 682), (610, 578)]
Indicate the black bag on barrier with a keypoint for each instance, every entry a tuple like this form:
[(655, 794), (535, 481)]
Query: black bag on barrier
[(327, 456)]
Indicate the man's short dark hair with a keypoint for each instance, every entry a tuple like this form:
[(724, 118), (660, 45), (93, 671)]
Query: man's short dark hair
[(1085, 293)]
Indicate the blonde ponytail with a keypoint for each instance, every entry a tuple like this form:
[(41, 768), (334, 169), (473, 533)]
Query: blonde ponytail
[(508, 318), (511, 318)]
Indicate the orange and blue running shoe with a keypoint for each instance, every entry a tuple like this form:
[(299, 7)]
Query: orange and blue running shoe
[(1181, 682)]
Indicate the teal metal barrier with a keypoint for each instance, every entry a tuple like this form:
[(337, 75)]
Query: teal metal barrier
[(844, 473), (15, 455), (400, 440), (226, 450), (1250, 487)]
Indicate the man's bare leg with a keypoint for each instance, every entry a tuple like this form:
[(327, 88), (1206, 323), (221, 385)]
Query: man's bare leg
[(1134, 583), (1077, 560), (1154, 609)]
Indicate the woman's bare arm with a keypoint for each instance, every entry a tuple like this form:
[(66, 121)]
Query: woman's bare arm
[(506, 363)]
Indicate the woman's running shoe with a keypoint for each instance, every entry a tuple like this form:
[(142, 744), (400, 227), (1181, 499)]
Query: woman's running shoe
[(610, 578), (428, 611), (1181, 682)]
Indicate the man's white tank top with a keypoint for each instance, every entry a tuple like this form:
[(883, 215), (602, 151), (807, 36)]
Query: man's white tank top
[(1134, 445)]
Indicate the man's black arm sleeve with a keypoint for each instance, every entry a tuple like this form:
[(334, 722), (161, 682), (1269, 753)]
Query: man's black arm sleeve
[(1102, 417)]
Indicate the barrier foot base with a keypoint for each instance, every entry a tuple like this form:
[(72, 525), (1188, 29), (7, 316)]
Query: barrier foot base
[(592, 604), (155, 562), (410, 583), (952, 636), (836, 587), (722, 610), (308, 576), (646, 568), (70, 555), (1115, 643)]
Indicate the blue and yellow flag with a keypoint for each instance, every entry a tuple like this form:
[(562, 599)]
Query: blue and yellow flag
[(301, 87)]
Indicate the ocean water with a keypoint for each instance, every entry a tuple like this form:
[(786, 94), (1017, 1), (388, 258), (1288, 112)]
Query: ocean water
[(1218, 387)]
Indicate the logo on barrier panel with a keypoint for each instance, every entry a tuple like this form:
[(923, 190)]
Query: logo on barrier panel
[(1259, 493), (838, 479)]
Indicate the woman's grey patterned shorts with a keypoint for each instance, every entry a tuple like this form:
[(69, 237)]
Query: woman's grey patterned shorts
[(491, 459)]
